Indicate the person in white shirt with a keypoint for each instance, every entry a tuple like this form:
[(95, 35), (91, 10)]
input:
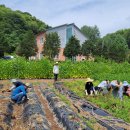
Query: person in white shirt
[(102, 86), (56, 71)]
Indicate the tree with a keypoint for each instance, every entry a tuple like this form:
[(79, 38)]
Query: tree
[(72, 48), (1, 51), (2, 47), (14, 24), (115, 47), (87, 48), (126, 34), (92, 33), (27, 46), (52, 45), (92, 48)]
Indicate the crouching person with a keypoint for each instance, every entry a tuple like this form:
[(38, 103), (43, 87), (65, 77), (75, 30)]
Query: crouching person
[(89, 88), (117, 89), (102, 87), (19, 94), (126, 88)]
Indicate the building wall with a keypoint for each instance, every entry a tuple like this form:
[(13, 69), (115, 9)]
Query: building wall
[(61, 33), (64, 32), (79, 35), (40, 39)]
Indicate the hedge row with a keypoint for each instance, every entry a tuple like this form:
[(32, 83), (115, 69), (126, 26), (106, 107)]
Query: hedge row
[(24, 69)]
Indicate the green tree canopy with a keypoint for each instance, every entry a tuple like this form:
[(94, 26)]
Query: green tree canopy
[(14, 24), (92, 33), (72, 48), (27, 46), (52, 45), (126, 34), (115, 47)]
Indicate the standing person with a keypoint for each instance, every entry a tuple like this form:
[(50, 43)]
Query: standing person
[(19, 93), (89, 88), (56, 71)]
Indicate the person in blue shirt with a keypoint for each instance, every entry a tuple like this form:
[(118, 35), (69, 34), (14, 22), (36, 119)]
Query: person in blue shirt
[(15, 83), (19, 93)]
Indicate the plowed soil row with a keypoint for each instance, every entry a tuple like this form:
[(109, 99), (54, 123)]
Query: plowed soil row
[(11, 114), (49, 114)]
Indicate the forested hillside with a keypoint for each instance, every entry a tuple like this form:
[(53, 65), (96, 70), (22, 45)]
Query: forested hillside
[(13, 26)]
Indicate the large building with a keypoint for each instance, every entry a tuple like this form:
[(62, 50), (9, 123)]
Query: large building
[(64, 32)]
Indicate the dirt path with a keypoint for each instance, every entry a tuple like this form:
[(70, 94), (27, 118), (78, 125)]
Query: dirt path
[(49, 114)]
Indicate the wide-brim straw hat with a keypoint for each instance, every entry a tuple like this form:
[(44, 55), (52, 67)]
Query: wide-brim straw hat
[(89, 80)]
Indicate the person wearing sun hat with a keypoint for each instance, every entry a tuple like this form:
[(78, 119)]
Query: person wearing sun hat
[(15, 83), (19, 94), (126, 87), (89, 88), (56, 71)]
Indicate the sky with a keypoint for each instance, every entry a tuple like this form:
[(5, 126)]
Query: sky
[(108, 15)]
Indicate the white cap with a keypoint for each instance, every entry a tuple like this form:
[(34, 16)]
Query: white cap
[(125, 83), (13, 80)]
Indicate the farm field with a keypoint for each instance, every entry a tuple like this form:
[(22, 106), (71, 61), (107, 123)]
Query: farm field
[(58, 106)]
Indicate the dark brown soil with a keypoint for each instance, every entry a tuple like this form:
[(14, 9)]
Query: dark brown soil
[(49, 114)]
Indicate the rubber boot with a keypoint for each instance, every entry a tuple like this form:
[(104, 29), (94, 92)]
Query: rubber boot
[(86, 92), (91, 93)]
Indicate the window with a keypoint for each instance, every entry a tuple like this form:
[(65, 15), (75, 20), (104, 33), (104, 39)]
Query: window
[(42, 40), (68, 33)]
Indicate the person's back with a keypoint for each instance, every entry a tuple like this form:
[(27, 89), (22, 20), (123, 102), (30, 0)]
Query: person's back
[(15, 83), (117, 88), (18, 83), (103, 87), (56, 71), (89, 88), (18, 93), (104, 84), (19, 89)]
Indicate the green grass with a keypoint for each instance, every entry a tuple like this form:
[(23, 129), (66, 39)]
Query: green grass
[(62, 97), (117, 108)]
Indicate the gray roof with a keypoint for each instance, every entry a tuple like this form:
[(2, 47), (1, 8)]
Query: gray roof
[(65, 25)]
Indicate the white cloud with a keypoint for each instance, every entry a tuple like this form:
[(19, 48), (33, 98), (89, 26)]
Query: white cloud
[(108, 15)]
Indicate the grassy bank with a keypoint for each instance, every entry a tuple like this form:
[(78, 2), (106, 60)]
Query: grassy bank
[(116, 107)]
